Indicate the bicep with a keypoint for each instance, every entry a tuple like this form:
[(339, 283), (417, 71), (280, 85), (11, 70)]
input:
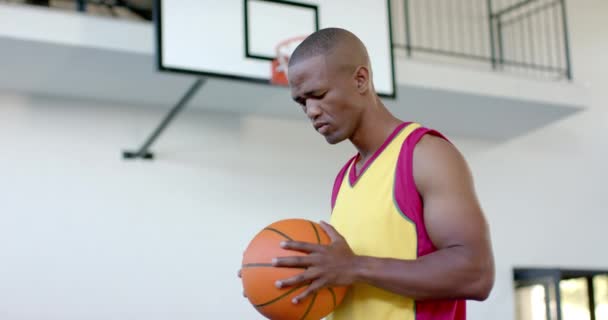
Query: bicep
[(452, 213)]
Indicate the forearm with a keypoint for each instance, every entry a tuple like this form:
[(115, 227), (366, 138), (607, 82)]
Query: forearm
[(445, 274)]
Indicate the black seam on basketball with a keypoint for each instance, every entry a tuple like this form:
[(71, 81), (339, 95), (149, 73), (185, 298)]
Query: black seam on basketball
[(279, 232), (312, 302), (333, 295), (279, 297), (316, 232), (270, 265), (253, 265)]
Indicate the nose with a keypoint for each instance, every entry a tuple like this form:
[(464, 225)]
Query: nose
[(313, 109)]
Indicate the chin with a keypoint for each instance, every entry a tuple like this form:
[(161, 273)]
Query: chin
[(332, 139)]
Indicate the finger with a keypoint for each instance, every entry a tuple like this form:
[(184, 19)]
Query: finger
[(302, 278), (314, 287), (305, 247), (294, 261), (333, 234)]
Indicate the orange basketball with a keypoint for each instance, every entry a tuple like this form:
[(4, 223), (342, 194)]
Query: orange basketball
[(259, 276)]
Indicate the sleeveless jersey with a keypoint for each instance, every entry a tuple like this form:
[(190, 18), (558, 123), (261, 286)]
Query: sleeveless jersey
[(379, 213)]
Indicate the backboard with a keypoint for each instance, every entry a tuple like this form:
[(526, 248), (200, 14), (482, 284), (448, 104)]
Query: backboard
[(237, 39)]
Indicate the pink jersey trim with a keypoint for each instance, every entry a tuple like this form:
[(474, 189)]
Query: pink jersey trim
[(353, 176), (338, 182), (410, 204), (406, 193)]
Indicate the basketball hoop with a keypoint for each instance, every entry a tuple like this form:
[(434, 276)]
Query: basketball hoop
[(280, 63)]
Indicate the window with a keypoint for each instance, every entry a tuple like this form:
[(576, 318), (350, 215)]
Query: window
[(560, 294), (600, 286), (530, 302)]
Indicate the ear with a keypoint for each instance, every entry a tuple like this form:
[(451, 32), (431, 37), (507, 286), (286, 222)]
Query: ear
[(362, 79)]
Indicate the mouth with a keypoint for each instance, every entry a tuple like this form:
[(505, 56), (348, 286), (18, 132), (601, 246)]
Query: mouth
[(321, 126)]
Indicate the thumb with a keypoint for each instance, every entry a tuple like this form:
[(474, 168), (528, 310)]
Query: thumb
[(333, 234)]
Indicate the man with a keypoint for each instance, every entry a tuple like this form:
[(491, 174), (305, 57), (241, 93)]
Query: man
[(408, 234)]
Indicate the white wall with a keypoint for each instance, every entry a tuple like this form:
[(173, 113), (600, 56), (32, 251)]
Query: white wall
[(86, 235), (545, 193)]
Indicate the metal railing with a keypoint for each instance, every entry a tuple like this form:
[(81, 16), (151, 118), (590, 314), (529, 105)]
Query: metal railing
[(519, 36), (139, 8), (524, 36)]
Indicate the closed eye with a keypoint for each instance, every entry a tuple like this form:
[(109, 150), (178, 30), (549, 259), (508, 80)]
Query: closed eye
[(300, 101), (318, 96)]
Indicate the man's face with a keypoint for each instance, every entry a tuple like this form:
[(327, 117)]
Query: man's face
[(326, 96)]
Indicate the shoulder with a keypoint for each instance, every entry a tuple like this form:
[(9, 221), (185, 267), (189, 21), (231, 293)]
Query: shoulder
[(432, 146), (437, 162)]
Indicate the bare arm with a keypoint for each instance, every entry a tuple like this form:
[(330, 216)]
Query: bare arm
[(463, 265)]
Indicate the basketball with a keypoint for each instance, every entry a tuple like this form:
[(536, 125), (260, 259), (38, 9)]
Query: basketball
[(259, 276)]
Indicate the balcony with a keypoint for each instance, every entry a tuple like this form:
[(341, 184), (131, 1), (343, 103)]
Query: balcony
[(82, 56)]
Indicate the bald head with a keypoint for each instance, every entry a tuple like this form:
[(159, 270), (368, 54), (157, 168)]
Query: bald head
[(330, 78), (339, 47)]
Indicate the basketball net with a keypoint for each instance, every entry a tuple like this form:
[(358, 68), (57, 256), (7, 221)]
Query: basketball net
[(279, 65)]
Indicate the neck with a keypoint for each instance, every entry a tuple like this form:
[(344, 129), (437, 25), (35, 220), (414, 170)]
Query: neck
[(376, 125)]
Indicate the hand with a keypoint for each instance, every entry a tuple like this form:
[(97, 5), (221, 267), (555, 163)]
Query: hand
[(327, 265)]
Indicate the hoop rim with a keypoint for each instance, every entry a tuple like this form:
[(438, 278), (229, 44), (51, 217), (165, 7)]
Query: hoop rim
[(279, 63), (286, 42)]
